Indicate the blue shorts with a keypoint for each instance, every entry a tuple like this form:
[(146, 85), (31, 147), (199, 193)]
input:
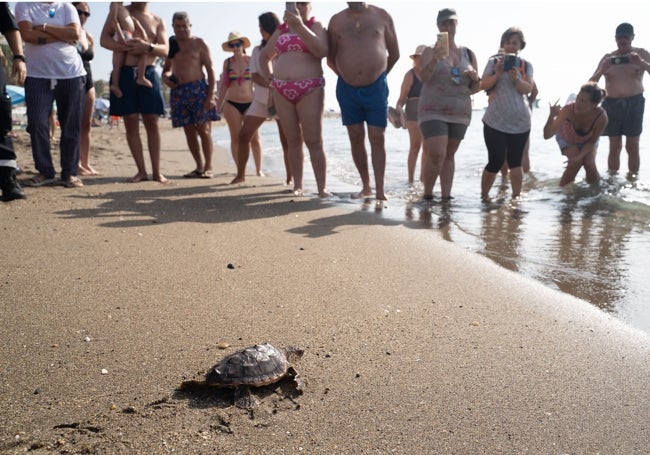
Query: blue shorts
[(138, 98), (364, 104), (187, 102), (625, 116)]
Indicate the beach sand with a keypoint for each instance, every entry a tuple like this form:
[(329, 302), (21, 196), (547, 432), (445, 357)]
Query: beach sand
[(114, 293)]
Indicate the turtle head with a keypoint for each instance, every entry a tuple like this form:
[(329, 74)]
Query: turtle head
[(293, 353)]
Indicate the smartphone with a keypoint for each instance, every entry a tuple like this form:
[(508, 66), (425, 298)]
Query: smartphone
[(443, 39), (291, 7), (619, 59)]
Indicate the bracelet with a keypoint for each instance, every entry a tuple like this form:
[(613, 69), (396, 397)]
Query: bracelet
[(151, 48), (19, 57), (44, 25)]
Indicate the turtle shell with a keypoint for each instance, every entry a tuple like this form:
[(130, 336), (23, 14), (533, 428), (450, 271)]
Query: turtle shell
[(254, 366)]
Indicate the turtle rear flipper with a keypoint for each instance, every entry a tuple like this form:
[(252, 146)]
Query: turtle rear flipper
[(244, 398)]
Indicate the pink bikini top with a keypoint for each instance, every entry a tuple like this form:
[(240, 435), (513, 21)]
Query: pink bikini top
[(291, 42)]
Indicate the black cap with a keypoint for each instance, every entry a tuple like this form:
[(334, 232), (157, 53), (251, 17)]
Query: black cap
[(446, 14), (624, 29)]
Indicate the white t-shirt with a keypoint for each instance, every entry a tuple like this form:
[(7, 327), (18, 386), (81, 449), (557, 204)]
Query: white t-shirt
[(57, 60)]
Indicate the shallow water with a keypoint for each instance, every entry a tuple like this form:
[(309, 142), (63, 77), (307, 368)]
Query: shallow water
[(592, 242)]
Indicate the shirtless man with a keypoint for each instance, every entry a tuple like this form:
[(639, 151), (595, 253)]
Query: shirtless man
[(624, 69), (192, 99), (362, 50), (139, 99)]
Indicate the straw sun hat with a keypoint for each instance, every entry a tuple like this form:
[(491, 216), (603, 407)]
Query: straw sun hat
[(235, 36)]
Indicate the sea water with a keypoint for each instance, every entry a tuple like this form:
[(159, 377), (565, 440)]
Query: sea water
[(590, 241)]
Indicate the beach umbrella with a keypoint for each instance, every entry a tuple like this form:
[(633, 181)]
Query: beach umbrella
[(16, 93), (102, 104)]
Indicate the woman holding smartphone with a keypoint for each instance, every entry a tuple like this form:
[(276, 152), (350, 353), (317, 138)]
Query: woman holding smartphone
[(298, 46)]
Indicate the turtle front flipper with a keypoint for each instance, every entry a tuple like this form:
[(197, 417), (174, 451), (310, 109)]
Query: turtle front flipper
[(244, 398)]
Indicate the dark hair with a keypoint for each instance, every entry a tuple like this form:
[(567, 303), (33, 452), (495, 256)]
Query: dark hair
[(513, 31), (269, 22), (596, 94), (179, 16)]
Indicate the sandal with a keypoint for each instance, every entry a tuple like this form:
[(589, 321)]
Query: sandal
[(195, 174), (72, 182), (40, 180), (207, 175)]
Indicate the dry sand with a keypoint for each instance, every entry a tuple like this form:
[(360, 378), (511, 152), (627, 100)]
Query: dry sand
[(114, 293)]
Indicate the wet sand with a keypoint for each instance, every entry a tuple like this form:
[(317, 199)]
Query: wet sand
[(114, 293)]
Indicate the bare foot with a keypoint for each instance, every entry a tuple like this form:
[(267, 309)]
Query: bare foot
[(144, 82), (381, 197), (297, 192), (116, 91), (362, 194), (261, 174), (86, 171), (161, 178), (138, 178), (237, 180), (324, 194)]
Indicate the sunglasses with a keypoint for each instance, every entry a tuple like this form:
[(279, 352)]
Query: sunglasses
[(234, 45), (83, 13)]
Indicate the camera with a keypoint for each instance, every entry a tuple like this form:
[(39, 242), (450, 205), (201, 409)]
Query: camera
[(619, 59), (511, 61)]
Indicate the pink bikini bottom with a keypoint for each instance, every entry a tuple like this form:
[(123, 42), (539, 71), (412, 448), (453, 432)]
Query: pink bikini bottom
[(293, 91)]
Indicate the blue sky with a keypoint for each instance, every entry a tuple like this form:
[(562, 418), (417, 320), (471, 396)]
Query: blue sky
[(565, 39)]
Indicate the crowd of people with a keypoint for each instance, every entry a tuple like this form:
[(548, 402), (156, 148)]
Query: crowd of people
[(283, 79)]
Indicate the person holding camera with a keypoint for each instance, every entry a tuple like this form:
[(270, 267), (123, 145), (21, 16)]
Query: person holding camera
[(624, 69), (507, 79)]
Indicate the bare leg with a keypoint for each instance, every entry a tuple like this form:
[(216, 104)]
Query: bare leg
[(633, 157), (248, 130), (448, 168), (378, 156), (285, 153), (153, 142), (589, 163), (205, 134), (437, 147), (141, 78), (234, 119), (525, 159), (84, 150), (256, 148), (516, 180), (289, 120), (573, 165), (415, 142), (132, 127), (357, 136), (191, 136), (118, 63), (487, 180), (310, 113), (614, 158)]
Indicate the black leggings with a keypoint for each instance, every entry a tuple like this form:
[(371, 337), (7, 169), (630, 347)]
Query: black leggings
[(502, 146)]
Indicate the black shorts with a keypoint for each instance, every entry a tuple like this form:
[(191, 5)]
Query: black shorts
[(625, 116), (138, 99)]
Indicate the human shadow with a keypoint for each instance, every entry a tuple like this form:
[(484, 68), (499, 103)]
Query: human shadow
[(219, 203)]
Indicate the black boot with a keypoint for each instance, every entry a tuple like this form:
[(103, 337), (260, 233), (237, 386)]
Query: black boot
[(10, 187)]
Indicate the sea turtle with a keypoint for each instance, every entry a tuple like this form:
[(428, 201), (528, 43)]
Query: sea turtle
[(255, 366)]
